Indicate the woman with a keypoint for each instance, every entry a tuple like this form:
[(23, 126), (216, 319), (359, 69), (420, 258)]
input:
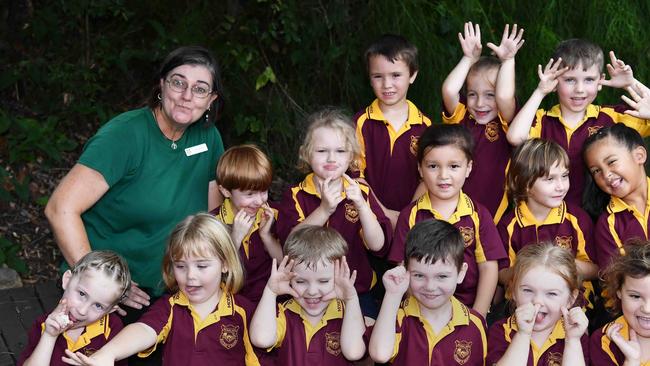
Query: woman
[(145, 171)]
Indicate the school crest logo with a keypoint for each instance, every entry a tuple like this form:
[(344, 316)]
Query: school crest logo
[(592, 130), (229, 335), (554, 359), (333, 343), (564, 241), (462, 351), (414, 144), (467, 233), (89, 351), (492, 131), (351, 213)]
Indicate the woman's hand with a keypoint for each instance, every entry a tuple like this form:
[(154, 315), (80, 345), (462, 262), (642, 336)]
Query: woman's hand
[(135, 298)]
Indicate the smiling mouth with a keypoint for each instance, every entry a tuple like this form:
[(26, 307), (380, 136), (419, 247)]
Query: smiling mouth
[(540, 317)]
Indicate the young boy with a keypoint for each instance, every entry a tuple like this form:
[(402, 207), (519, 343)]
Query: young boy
[(388, 130), (83, 320), (323, 323), (430, 327), (574, 72)]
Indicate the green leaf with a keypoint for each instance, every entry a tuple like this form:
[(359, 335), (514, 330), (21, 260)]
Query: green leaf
[(17, 264), (42, 201), (264, 78)]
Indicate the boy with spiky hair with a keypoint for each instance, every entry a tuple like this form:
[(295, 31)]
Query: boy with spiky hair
[(574, 72)]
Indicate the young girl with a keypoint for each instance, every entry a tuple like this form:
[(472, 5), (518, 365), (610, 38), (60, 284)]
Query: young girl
[(485, 111), (626, 341), (537, 182), (615, 157), (445, 160), (546, 329), (203, 320), (244, 174), (329, 197), (84, 320)]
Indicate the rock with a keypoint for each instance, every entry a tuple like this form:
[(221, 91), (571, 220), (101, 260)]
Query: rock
[(9, 278)]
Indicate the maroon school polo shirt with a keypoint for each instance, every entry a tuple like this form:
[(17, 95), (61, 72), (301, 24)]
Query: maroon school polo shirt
[(94, 337), (603, 351), (299, 343), (389, 158), (301, 200), (461, 342), (550, 353), (482, 242), (551, 126), (618, 224), (486, 181), (222, 336), (256, 260)]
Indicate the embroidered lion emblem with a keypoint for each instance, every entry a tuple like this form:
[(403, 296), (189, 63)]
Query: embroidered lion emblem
[(351, 213), (564, 241), (463, 351), (554, 359), (592, 130), (414, 144), (229, 335), (492, 131), (333, 343), (467, 232)]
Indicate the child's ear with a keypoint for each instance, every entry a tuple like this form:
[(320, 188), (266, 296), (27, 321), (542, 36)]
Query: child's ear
[(572, 300), (413, 76), (65, 279), (469, 168), (461, 273), (224, 192), (600, 85), (420, 170), (640, 155)]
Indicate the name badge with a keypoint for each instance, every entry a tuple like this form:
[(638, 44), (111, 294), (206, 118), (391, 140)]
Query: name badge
[(196, 149)]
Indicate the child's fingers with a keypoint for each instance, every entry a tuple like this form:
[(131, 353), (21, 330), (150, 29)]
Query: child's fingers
[(633, 113), (477, 31), (612, 57), (629, 101), (506, 31), (353, 276), (633, 336), (634, 94), (492, 46), (565, 314), (349, 179)]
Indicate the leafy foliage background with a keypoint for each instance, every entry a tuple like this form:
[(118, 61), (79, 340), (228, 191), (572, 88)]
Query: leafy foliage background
[(67, 66)]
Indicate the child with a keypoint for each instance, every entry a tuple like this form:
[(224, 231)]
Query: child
[(84, 320), (322, 324), (329, 197), (575, 73), (203, 320), (626, 341), (615, 157), (244, 174), (542, 332), (430, 327), (445, 160), (485, 111), (388, 129), (538, 181)]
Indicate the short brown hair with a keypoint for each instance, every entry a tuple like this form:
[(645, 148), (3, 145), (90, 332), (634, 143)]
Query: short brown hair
[(202, 235), (438, 135), (311, 244), (433, 240), (634, 263), (532, 160), (576, 52), (244, 167), (394, 47), (108, 263), (337, 120), (484, 64)]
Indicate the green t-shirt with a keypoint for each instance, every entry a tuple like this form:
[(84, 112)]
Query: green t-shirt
[(152, 188)]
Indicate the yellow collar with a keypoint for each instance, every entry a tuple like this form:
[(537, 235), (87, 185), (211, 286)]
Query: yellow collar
[(616, 204), (99, 327), (526, 218), (309, 186), (464, 207), (415, 117), (334, 310), (591, 112), (459, 312), (225, 307)]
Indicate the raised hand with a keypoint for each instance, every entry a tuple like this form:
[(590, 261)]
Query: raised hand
[(58, 321), (640, 101), (470, 41), (620, 74), (343, 281), (525, 316), (353, 192), (280, 279), (511, 42), (575, 322), (266, 222), (548, 77), (396, 280), (330, 193), (631, 349), (241, 226)]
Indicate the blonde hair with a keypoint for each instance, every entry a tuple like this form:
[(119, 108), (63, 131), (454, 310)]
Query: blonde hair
[(530, 161), (338, 121), (556, 259), (108, 263), (244, 167), (634, 263), (202, 235), (311, 244)]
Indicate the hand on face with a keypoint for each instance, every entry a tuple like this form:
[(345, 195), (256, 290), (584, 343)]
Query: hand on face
[(525, 316), (58, 321), (330, 192), (280, 279), (631, 349), (267, 219), (575, 322), (548, 77), (343, 282), (241, 226), (396, 280)]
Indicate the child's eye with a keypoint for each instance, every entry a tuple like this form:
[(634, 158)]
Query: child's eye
[(471, 94), (202, 266), (594, 171), (98, 306), (611, 162), (341, 151), (491, 95), (455, 166), (418, 275), (565, 175), (552, 294), (300, 281), (527, 290), (634, 296), (179, 266), (324, 281), (432, 166), (443, 277), (569, 80)]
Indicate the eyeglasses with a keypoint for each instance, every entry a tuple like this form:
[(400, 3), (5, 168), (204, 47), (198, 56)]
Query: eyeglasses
[(180, 86)]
